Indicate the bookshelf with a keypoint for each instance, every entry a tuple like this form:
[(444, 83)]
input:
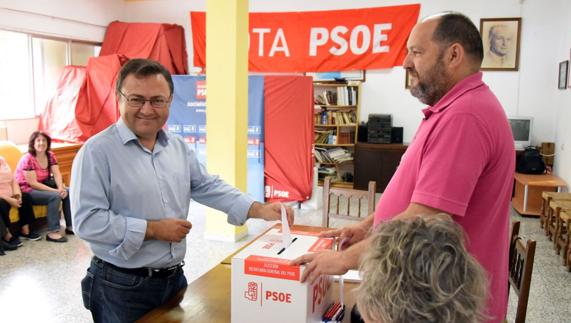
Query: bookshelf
[(336, 122)]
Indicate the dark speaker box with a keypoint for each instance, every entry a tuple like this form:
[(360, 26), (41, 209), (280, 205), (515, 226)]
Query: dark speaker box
[(380, 121), (379, 136), (362, 133), (396, 135)]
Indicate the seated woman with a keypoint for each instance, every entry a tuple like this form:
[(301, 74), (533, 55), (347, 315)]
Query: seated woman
[(418, 270), (38, 174), (11, 196)]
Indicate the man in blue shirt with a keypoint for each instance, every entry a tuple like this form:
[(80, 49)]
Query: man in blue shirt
[(132, 185)]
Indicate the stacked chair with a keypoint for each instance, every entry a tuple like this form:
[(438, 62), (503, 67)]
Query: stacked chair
[(556, 220)]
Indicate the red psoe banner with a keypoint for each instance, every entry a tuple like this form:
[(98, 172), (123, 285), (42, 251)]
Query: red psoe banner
[(321, 41)]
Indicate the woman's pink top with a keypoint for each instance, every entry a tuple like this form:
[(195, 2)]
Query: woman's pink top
[(28, 162), (6, 178)]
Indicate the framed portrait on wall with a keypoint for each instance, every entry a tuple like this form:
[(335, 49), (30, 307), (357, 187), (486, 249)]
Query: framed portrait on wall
[(563, 75), (501, 38), (333, 76)]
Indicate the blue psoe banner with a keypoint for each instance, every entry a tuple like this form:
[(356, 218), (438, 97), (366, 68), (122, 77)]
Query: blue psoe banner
[(256, 137), (187, 118)]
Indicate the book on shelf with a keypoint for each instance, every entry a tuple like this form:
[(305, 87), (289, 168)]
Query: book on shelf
[(333, 156), (346, 136), (340, 155), (323, 136), (342, 95), (337, 118), (326, 170)]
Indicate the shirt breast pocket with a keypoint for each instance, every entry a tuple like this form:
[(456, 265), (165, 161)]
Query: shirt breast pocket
[(179, 181)]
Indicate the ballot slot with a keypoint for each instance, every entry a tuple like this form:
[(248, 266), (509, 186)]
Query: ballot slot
[(284, 249)]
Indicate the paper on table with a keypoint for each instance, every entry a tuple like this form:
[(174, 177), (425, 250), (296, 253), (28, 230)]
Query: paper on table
[(286, 233)]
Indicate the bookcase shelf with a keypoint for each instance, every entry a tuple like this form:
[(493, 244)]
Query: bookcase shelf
[(336, 120), (334, 107), (334, 145), (334, 125)]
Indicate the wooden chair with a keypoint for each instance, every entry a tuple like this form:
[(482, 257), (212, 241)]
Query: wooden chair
[(520, 270), (567, 255), (553, 223), (352, 195), (562, 240), (545, 209)]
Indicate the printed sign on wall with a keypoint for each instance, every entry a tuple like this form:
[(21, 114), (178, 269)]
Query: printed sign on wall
[(321, 41)]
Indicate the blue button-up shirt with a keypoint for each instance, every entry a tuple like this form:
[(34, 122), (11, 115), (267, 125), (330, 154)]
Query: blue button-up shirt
[(118, 184)]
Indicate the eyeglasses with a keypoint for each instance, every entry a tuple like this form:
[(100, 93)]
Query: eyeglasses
[(136, 101)]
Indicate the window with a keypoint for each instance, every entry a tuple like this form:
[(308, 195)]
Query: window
[(15, 79), (31, 66), (48, 59), (81, 52)]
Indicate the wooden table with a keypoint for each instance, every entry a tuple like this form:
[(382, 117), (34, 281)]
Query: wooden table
[(207, 299), (528, 188)]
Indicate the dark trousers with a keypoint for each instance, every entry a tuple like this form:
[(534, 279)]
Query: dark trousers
[(116, 296), (26, 211), (2, 230)]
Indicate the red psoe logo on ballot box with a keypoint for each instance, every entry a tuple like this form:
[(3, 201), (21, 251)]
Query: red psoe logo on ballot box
[(252, 292), (319, 291)]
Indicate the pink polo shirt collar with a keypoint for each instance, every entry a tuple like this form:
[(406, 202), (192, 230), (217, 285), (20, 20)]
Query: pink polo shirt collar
[(467, 84)]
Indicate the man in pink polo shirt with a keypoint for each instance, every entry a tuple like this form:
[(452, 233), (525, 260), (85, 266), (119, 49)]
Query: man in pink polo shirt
[(461, 160)]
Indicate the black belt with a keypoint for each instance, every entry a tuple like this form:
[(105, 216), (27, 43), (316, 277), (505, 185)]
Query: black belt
[(143, 271)]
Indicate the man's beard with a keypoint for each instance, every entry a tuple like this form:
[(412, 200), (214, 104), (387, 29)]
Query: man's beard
[(432, 86)]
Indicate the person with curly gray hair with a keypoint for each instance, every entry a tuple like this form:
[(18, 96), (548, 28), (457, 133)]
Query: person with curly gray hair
[(418, 270)]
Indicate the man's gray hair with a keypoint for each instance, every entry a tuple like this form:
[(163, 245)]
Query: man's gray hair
[(418, 270)]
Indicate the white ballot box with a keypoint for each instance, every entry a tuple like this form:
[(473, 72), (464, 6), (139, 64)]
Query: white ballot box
[(266, 289)]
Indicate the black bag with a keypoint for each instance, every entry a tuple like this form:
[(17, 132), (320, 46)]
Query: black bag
[(50, 181), (530, 162)]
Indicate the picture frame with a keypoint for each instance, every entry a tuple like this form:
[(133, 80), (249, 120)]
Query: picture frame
[(332, 76), (501, 41), (563, 75)]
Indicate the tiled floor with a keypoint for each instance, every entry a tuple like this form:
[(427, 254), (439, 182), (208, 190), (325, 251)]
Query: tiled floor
[(40, 281)]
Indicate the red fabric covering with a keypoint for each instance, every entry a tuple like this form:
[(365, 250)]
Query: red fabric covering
[(288, 135), (85, 101), (58, 118), (162, 42), (97, 104)]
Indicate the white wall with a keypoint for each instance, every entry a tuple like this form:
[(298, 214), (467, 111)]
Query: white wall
[(562, 98), (77, 19)]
